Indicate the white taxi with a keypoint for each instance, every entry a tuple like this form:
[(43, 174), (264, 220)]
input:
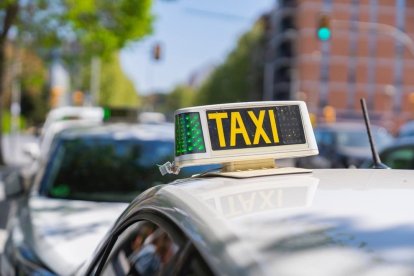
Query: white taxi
[(253, 218)]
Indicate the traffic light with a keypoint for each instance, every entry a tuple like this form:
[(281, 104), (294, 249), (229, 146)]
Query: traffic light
[(55, 96), (329, 114), (77, 98), (156, 51), (323, 30)]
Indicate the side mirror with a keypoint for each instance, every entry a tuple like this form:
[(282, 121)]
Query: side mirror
[(32, 150), (13, 185)]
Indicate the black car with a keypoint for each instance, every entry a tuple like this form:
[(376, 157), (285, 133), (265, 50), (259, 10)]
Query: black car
[(399, 155)]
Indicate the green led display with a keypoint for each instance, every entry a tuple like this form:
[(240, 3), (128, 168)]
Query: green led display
[(188, 134)]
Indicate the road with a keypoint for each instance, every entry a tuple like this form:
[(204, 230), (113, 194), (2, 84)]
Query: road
[(14, 157)]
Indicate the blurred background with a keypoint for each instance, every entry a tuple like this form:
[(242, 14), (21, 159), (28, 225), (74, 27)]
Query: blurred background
[(163, 55), (143, 59)]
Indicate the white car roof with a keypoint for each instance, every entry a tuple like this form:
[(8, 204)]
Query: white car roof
[(328, 222), (73, 112)]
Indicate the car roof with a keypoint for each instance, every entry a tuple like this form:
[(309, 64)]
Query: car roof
[(408, 124), (339, 126), (123, 131), (320, 223), (401, 142), (406, 129)]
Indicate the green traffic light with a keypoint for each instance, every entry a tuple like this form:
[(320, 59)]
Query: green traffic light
[(324, 34)]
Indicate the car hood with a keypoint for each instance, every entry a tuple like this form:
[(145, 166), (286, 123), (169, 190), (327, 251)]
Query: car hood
[(66, 232)]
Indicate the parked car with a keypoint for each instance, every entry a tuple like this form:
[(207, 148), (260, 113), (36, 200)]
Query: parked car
[(407, 129), (398, 155), (252, 218), (71, 113), (86, 181), (344, 145)]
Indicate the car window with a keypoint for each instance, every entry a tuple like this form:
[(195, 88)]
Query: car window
[(194, 265), (407, 133), (105, 169), (144, 248), (401, 158), (359, 138)]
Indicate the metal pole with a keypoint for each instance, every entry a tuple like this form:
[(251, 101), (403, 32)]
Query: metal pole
[(324, 67), (372, 65), (15, 107), (95, 80)]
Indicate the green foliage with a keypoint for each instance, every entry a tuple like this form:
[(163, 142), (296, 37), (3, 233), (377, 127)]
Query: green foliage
[(79, 30), (86, 28), (182, 96), (234, 80), (116, 89), (33, 78), (34, 97), (6, 124)]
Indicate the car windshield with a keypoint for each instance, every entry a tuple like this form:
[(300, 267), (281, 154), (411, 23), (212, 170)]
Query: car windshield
[(101, 169), (359, 139)]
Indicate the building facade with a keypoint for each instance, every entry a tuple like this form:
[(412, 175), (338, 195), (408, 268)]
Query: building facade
[(370, 54)]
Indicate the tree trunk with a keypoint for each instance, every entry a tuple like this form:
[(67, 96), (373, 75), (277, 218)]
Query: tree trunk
[(2, 88), (11, 11)]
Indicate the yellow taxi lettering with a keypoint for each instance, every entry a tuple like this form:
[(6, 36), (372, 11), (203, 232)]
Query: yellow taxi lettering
[(237, 127), (258, 122), (219, 117), (273, 126)]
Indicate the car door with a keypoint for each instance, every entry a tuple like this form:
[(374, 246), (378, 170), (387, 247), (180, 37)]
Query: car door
[(149, 244)]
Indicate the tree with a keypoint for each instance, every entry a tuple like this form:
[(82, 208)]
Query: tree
[(182, 96), (33, 79), (82, 29), (116, 90), (239, 78)]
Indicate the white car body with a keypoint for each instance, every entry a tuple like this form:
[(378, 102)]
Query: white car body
[(326, 222), (66, 232), (63, 233), (73, 113)]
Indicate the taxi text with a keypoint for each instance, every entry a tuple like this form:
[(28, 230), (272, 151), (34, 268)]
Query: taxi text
[(242, 128)]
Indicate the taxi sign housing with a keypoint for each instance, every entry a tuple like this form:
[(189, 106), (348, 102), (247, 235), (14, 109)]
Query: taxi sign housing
[(241, 132)]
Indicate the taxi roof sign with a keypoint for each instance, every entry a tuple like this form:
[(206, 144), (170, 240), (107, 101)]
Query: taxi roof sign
[(242, 131)]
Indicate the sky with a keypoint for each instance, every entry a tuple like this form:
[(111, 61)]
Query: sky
[(194, 34)]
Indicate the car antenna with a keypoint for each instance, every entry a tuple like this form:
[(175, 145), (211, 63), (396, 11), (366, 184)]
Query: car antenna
[(377, 164)]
